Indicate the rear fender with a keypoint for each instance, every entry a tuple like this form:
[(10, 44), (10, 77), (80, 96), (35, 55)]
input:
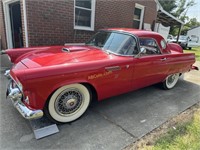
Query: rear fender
[(175, 47)]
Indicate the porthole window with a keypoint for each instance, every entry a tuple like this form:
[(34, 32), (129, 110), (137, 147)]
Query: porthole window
[(163, 44)]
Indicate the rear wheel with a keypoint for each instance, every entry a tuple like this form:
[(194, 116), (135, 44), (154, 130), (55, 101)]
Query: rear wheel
[(190, 48), (171, 81), (68, 103)]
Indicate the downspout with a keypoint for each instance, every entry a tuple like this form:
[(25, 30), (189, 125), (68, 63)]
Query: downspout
[(25, 23)]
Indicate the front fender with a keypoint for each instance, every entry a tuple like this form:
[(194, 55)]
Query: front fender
[(14, 54)]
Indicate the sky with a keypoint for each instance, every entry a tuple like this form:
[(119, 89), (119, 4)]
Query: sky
[(194, 11)]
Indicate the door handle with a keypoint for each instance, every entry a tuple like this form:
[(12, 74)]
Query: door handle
[(163, 59), (113, 68)]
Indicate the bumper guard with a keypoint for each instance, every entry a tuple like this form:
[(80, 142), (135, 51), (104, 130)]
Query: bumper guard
[(15, 95)]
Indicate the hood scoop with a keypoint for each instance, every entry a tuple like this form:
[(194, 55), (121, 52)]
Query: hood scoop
[(65, 49)]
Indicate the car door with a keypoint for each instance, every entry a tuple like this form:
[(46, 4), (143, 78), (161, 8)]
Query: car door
[(151, 67)]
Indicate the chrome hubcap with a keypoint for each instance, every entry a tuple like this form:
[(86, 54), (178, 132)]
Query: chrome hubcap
[(71, 103), (68, 102)]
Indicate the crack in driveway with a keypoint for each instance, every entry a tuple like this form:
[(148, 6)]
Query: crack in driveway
[(114, 123)]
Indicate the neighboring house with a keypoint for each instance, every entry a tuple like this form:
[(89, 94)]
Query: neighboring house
[(26, 23), (194, 35), (37, 22)]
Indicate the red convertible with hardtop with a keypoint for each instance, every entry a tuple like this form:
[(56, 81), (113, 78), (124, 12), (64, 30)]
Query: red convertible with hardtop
[(61, 81)]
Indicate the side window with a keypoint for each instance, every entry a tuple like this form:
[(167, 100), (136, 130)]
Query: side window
[(150, 45), (163, 44), (129, 47)]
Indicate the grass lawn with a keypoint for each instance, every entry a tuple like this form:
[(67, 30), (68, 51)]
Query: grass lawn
[(195, 50), (183, 137)]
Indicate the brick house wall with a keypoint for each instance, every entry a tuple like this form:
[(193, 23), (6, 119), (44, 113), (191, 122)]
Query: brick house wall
[(150, 13), (51, 22)]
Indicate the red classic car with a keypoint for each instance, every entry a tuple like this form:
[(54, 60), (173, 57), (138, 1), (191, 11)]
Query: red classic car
[(61, 81)]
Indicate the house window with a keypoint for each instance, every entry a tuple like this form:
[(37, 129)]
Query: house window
[(138, 16), (84, 13)]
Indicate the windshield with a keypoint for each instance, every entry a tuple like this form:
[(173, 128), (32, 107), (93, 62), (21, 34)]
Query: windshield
[(117, 43)]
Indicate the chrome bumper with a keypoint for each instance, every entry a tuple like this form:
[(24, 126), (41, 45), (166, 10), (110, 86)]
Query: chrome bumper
[(15, 95)]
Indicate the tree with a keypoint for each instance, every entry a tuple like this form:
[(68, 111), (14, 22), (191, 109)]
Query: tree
[(179, 9), (182, 9), (191, 23), (168, 5)]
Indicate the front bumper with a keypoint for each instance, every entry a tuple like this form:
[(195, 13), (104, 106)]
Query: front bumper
[(15, 95)]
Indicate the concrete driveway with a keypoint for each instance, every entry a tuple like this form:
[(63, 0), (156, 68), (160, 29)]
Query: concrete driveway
[(111, 124)]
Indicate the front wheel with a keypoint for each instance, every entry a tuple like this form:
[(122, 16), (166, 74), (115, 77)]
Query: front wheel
[(170, 81), (68, 103)]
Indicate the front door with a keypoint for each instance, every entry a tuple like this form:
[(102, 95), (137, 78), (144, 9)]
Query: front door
[(16, 24), (149, 70)]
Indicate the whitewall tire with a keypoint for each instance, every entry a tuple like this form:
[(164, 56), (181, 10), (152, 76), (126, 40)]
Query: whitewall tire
[(68, 103), (171, 81)]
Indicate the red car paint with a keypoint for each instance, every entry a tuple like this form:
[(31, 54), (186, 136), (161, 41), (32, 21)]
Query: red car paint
[(42, 70)]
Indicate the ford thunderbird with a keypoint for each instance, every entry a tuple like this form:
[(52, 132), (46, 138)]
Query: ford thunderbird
[(61, 81)]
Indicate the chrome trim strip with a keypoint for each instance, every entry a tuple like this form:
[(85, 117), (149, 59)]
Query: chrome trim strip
[(111, 52)]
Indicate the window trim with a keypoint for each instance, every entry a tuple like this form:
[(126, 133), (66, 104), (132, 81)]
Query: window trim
[(93, 5), (139, 6)]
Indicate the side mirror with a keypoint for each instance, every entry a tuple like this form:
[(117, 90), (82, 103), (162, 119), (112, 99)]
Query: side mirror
[(142, 51)]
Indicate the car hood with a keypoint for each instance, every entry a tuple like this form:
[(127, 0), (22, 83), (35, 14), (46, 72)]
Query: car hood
[(57, 55)]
